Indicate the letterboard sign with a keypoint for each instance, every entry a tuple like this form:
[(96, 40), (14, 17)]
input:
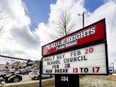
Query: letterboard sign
[(88, 60)]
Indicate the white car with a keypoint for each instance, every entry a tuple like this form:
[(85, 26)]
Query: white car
[(35, 75)]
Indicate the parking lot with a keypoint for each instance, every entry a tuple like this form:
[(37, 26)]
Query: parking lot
[(27, 80)]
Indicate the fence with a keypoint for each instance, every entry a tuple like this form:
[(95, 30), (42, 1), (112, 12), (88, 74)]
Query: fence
[(18, 72)]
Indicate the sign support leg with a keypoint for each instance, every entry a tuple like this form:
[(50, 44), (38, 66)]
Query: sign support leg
[(40, 82)]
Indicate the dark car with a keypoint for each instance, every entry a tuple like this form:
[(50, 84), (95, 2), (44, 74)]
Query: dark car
[(10, 78)]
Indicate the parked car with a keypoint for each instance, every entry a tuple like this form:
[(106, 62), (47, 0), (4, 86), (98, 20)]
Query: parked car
[(10, 78), (25, 70), (111, 69), (35, 75)]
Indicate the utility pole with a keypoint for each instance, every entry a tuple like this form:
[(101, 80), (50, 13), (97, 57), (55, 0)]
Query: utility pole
[(83, 18)]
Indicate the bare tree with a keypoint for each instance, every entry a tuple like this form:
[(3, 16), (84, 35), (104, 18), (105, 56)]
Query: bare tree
[(64, 26), (3, 20)]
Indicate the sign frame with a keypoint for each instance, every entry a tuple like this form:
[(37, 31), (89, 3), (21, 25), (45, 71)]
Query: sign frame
[(106, 63), (102, 40)]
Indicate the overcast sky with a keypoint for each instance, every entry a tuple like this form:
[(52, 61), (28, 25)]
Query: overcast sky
[(29, 22)]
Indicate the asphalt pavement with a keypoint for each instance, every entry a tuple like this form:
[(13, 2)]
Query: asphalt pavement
[(26, 79)]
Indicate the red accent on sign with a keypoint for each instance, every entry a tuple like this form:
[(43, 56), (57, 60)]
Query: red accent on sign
[(91, 33)]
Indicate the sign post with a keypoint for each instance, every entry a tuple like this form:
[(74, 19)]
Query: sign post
[(83, 52), (66, 80)]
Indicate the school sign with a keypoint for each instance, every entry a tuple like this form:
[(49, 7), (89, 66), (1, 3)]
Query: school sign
[(82, 52)]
